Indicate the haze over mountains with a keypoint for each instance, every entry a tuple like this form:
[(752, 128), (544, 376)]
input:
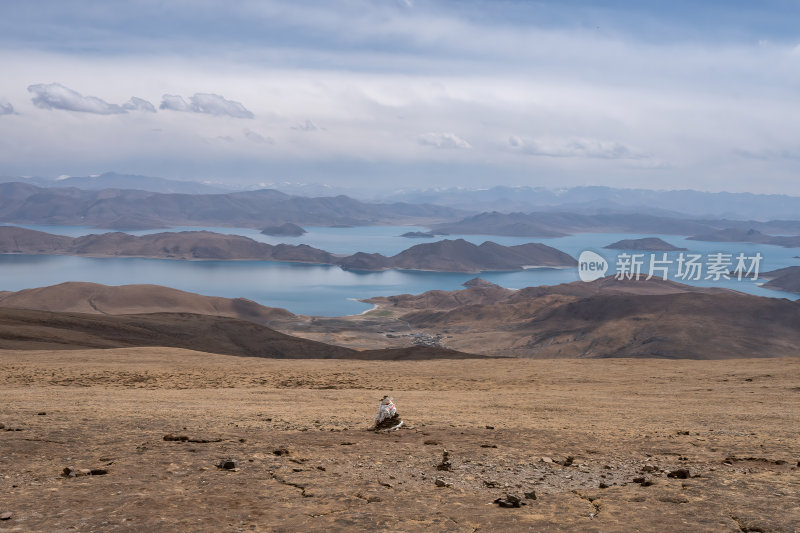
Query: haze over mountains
[(130, 209), (505, 199), (557, 224), (599, 200)]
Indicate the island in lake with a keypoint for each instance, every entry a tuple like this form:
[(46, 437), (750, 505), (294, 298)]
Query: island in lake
[(287, 229), (648, 244), (444, 256)]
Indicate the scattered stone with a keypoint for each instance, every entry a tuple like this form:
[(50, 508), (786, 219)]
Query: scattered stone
[(530, 495), (280, 451), (175, 438), (681, 473), (228, 464), (439, 482), (6, 516), (445, 464), (509, 501), (603, 486), (643, 481), (682, 432), (491, 484)]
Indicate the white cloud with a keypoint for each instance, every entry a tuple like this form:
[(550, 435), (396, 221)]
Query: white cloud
[(587, 148), (174, 102), (206, 103), (443, 140), (56, 96), (138, 104), (6, 108)]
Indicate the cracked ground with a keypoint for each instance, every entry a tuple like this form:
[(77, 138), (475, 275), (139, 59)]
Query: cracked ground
[(589, 445)]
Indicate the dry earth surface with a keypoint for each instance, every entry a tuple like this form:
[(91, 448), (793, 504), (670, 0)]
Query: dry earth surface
[(305, 461)]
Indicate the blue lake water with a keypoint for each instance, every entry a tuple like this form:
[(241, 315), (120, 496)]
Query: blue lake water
[(330, 291)]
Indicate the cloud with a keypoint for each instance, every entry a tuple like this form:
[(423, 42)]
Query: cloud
[(56, 96), (308, 125), (255, 137), (138, 104), (6, 108), (584, 148), (206, 103), (174, 102), (443, 141)]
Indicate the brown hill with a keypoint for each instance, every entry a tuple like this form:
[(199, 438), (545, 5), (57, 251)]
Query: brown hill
[(463, 256), (24, 329), (609, 318), (446, 255), (168, 245), (784, 279), (78, 297)]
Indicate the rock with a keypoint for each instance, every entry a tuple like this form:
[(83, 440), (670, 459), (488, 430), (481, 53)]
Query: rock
[(509, 501), (228, 464), (178, 438), (98, 471), (445, 464), (280, 451), (603, 486), (643, 481), (6, 516), (530, 495), (431, 442), (373, 499), (681, 473), (71, 471), (439, 482), (41, 414), (567, 462), (2, 426), (546, 460), (489, 427), (488, 445)]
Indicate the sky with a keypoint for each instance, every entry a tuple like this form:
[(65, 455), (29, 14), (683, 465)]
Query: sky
[(400, 94)]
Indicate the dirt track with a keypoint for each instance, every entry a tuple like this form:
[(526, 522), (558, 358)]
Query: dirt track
[(733, 424)]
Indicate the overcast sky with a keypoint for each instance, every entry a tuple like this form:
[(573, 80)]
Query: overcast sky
[(388, 94)]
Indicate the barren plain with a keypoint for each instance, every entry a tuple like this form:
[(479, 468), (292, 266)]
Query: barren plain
[(590, 445)]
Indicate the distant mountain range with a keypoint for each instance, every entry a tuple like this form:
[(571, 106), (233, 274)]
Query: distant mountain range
[(113, 180), (557, 224), (446, 255), (607, 200), (131, 209)]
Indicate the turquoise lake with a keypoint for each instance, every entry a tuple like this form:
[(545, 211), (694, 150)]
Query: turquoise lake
[(329, 290)]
